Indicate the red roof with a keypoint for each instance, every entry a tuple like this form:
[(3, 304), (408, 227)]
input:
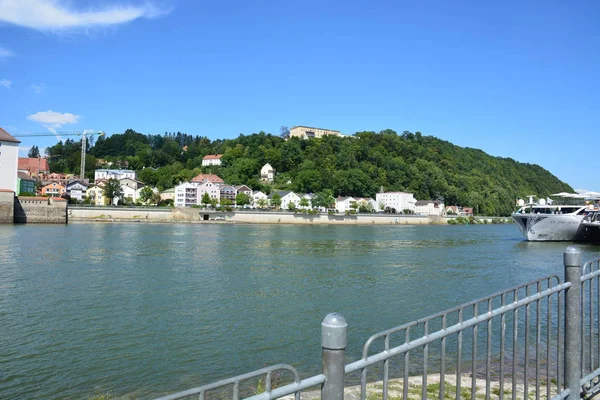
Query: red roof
[(212, 156), (207, 178), (33, 165), (7, 137)]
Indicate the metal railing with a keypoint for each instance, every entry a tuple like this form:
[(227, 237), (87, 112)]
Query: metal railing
[(539, 340)]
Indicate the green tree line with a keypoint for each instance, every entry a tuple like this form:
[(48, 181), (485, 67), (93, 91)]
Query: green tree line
[(358, 165)]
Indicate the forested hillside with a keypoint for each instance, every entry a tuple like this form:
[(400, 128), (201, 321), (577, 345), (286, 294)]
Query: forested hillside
[(356, 166)]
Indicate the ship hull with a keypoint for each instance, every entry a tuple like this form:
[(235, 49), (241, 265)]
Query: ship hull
[(551, 227)]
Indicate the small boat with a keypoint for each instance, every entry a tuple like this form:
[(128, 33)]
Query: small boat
[(544, 221)]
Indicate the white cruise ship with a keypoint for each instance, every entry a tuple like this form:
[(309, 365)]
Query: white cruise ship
[(548, 222)]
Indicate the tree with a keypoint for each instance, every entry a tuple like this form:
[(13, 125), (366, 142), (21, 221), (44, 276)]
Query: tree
[(276, 200), (292, 206), (112, 189), (284, 132), (304, 203), (261, 203), (242, 199), (206, 199), (323, 199), (34, 152), (146, 194)]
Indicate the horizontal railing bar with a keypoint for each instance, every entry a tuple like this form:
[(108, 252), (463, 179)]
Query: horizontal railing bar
[(290, 389), (589, 276), (451, 310), (588, 378), (403, 348), (564, 394), (232, 380), (588, 264)]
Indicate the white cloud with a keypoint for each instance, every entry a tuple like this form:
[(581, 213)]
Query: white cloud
[(60, 15), (5, 53), (52, 120), (6, 83), (38, 88)]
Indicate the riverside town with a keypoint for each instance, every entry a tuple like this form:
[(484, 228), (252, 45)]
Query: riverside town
[(299, 200)]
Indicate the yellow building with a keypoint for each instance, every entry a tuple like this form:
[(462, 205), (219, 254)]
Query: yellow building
[(307, 132), (96, 195)]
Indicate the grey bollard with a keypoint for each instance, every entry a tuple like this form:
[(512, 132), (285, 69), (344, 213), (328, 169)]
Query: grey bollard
[(573, 264), (333, 341)]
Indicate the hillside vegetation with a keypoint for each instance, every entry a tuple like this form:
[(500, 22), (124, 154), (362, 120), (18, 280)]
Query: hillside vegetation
[(354, 166)]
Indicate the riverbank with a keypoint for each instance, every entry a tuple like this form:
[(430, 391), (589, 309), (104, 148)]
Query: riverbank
[(415, 387), (195, 215)]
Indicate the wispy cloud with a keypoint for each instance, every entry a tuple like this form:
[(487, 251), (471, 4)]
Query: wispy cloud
[(6, 83), (4, 52), (61, 15), (52, 120), (38, 88)]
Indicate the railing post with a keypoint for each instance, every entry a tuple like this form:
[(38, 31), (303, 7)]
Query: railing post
[(572, 259), (333, 341)]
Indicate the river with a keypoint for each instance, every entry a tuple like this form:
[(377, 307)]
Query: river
[(143, 310)]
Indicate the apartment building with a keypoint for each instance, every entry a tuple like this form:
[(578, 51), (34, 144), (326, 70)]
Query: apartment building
[(398, 200)]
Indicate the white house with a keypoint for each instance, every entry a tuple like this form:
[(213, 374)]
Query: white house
[(287, 197), (131, 188), (186, 195), (77, 189), (9, 161), (211, 159), (267, 173), (429, 207), (256, 196), (398, 200), (114, 173), (343, 204)]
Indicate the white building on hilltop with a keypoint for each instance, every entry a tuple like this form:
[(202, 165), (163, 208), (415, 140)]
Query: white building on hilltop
[(114, 174), (307, 132), (398, 200), (9, 161)]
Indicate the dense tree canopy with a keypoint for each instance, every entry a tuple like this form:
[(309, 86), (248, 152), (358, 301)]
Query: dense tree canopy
[(352, 166)]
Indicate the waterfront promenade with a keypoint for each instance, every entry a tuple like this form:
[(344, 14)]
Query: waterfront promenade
[(196, 215)]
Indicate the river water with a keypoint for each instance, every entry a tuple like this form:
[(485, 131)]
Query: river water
[(143, 310)]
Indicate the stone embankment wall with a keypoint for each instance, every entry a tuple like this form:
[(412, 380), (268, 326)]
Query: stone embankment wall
[(180, 214), (7, 206), (40, 210)]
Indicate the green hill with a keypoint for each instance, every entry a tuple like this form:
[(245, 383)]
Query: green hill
[(356, 166)]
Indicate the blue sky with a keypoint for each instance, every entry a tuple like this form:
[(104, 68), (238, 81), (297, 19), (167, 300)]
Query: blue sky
[(516, 79)]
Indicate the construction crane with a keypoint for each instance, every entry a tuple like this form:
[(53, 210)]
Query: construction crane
[(84, 135)]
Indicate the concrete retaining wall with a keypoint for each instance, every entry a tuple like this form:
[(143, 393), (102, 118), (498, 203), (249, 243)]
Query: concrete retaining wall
[(181, 214), (7, 206), (40, 210)]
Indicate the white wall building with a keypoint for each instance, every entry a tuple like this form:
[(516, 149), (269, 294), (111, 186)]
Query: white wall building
[(398, 200), (286, 199), (267, 173), (343, 204), (212, 159), (429, 207), (77, 189), (186, 194), (114, 173), (9, 161), (256, 196)]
